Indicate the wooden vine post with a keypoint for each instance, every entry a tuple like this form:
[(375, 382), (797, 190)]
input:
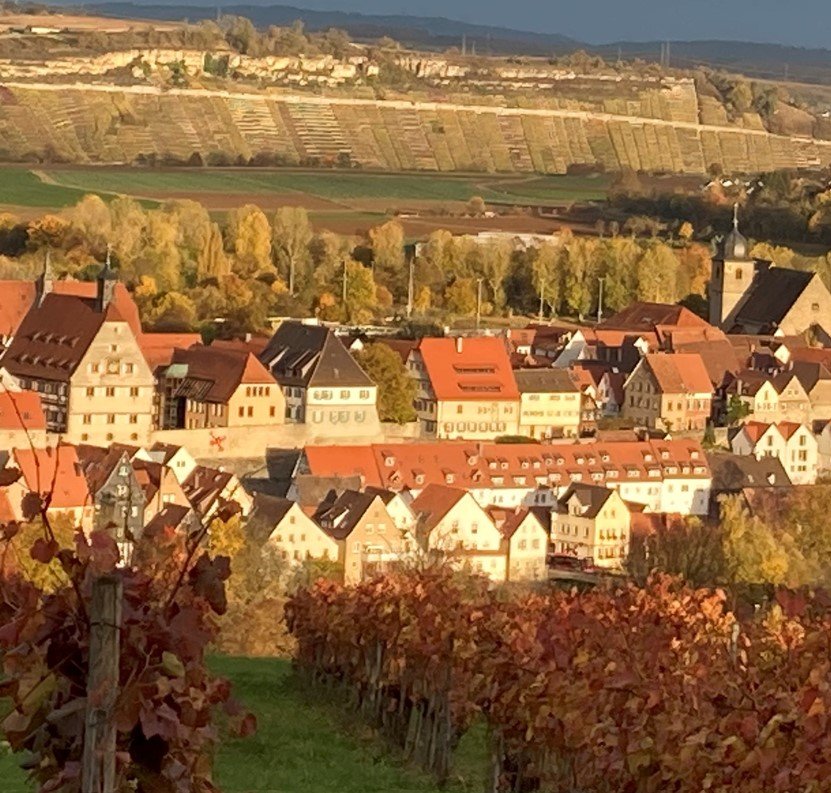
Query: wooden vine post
[(99, 769)]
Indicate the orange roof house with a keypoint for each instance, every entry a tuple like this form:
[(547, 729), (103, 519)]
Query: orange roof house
[(669, 392), (466, 387)]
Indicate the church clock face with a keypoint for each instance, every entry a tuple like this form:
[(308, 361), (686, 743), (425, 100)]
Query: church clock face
[(113, 366)]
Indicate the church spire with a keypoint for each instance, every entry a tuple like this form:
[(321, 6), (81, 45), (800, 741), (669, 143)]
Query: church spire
[(736, 216), (45, 282), (107, 280)]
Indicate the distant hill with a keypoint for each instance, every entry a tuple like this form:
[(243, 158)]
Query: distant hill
[(431, 32), (770, 61)]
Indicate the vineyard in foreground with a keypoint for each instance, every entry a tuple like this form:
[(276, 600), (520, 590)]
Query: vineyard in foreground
[(111, 124), (635, 690)]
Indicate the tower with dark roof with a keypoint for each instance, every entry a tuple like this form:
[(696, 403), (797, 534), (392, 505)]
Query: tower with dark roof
[(107, 281), (45, 281), (733, 273)]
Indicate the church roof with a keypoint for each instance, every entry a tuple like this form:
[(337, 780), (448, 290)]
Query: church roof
[(771, 297)]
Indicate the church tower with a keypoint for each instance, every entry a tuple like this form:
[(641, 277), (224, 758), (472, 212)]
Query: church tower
[(732, 277), (107, 281)]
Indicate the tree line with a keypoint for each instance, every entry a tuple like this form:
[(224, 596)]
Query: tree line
[(189, 271)]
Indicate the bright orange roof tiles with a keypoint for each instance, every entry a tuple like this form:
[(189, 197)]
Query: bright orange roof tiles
[(54, 471), (21, 410), (469, 368)]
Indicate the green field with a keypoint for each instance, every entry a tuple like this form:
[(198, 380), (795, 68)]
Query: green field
[(302, 745), (63, 186)]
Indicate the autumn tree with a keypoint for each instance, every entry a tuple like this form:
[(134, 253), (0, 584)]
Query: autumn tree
[(292, 235), (248, 236), (460, 297), (211, 261), (389, 265), (657, 272), (396, 389), (360, 293), (92, 218), (546, 265)]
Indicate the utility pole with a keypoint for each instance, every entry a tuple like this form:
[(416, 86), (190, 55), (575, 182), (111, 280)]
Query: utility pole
[(669, 56), (98, 769), (464, 44), (600, 301), (478, 302), (410, 288)]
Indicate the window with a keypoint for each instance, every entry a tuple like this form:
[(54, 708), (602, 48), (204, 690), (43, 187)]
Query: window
[(129, 368), (272, 411), (356, 547), (134, 392), (344, 394), (85, 437), (111, 418), (133, 418), (242, 412), (364, 393), (110, 391), (459, 408), (90, 392), (250, 411), (87, 419)]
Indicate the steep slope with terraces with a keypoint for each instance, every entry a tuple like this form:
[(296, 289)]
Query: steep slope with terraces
[(86, 123)]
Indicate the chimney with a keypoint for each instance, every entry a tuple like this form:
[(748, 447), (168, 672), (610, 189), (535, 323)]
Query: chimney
[(459, 344)]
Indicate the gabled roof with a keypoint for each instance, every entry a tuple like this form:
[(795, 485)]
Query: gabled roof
[(545, 381), (266, 514), (734, 472), (507, 521), (755, 430), (54, 337), (205, 486), (469, 368), (173, 516), (772, 295), (682, 373), (17, 297), (55, 472), (647, 316), (158, 348), (98, 464), (433, 504), (591, 498), (311, 489), (213, 374), (21, 410), (338, 515), (311, 355)]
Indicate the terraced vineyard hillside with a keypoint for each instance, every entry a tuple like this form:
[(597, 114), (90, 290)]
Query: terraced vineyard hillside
[(113, 124)]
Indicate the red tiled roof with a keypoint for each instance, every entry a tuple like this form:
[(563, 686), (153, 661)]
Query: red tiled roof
[(469, 368), (682, 373), (17, 297), (56, 471), (6, 512), (21, 410), (433, 503), (223, 369), (472, 466), (158, 348), (646, 316), (756, 429)]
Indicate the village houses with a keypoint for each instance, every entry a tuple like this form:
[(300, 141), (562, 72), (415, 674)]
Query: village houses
[(549, 404), (669, 392), (592, 523), (466, 388), (794, 445)]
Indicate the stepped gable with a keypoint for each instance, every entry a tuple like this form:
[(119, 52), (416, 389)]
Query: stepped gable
[(311, 356), (771, 297)]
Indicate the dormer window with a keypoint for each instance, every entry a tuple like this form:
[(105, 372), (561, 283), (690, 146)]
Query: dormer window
[(389, 461), (419, 479), (524, 464), (694, 454), (664, 454), (449, 478)]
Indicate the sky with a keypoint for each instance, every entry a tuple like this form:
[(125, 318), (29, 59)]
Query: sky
[(805, 23)]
